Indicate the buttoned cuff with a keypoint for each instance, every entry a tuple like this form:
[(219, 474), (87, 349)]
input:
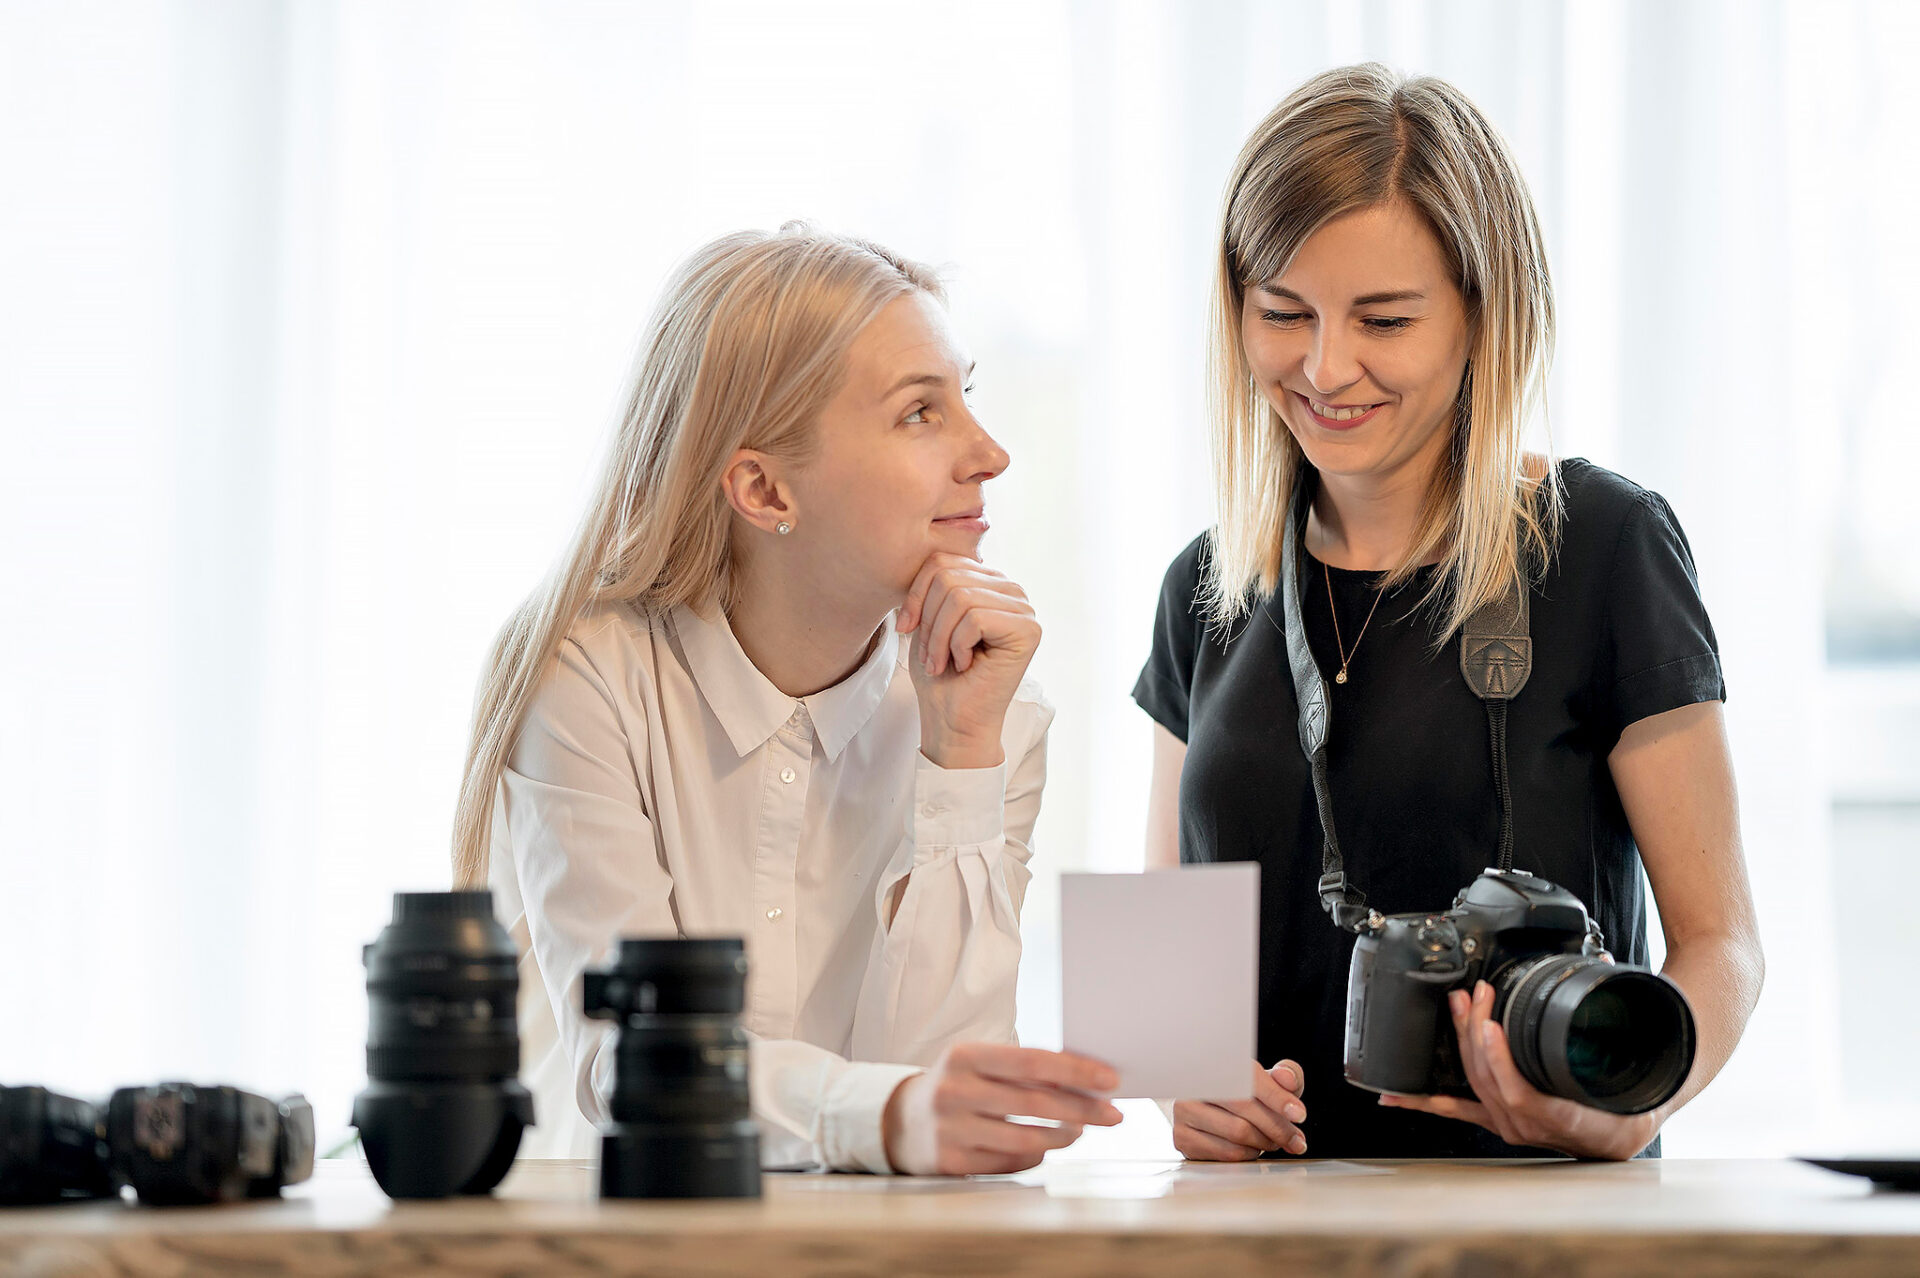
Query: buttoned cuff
[(851, 1134), (956, 807)]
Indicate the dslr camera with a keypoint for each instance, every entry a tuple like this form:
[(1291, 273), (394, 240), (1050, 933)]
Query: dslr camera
[(176, 1143), (1605, 1034)]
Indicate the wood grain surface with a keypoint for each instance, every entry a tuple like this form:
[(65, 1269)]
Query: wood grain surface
[(1557, 1219)]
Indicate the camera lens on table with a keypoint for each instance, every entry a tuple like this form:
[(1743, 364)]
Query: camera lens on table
[(443, 1112), (682, 1117)]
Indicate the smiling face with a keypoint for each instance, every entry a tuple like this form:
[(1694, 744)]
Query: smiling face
[(901, 459), (1360, 345)]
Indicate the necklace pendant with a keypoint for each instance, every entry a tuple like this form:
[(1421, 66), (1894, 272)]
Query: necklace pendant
[(1342, 676)]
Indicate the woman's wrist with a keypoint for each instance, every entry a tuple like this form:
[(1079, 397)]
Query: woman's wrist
[(957, 751), (893, 1124)]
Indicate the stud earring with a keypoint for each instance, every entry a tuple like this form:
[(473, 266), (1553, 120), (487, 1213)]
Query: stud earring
[(783, 528)]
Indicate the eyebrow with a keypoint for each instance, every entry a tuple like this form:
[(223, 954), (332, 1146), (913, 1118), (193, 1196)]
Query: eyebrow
[(1368, 299), (923, 379)]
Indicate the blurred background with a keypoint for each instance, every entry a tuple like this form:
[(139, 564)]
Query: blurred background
[(313, 316)]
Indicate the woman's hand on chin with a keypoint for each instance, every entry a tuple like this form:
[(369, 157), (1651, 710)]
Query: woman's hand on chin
[(1512, 1108), (974, 634)]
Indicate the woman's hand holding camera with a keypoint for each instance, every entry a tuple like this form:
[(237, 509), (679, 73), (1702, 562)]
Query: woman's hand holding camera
[(974, 634), (954, 1119), (1512, 1108), (1235, 1131)]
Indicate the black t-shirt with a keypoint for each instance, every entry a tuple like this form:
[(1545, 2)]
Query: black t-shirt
[(1619, 633)]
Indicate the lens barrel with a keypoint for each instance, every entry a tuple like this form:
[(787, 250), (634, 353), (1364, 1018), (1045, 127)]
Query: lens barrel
[(443, 1111), (1617, 1037), (682, 1115)]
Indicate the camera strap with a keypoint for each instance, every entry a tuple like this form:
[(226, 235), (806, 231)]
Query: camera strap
[(1496, 657)]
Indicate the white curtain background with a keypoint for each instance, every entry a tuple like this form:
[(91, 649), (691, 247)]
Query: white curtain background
[(312, 317)]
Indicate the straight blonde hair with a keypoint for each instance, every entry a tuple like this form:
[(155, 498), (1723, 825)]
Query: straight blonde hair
[(1352, 139), (748, 344)]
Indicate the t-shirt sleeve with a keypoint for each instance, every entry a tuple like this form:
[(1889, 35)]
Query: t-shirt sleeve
[(1661, 649), (1165, 685)]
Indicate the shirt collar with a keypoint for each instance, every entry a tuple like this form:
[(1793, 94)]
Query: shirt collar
[(751, 709)]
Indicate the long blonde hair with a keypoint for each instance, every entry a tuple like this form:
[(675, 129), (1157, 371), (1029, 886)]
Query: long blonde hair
[(747, 345), (1351, 139)]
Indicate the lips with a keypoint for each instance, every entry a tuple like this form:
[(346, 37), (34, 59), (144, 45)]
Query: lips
[(1338, 416), (974, 521)]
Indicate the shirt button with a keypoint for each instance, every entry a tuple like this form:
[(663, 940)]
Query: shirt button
[(786, 774), (774, 913)]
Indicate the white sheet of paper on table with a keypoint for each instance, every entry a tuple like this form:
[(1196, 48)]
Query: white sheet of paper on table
[(1158, 973)]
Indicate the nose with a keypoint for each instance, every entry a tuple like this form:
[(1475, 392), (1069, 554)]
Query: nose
[(1331, 365), (983, 458)]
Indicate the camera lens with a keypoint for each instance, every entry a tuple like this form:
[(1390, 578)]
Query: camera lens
[(1616, 1037), (443, 1112), (682, 1118)]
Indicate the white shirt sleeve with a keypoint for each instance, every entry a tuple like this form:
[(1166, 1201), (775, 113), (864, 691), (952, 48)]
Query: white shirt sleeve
[(945, 964), (590, 872)]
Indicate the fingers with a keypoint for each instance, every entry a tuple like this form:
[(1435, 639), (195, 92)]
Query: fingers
[(1446, 1107), (1206, 1118), (988, 628), (1025, 1142), (1290, 1076), (942, 572), (915, 606), (1229, 1131), (1513, 1087), (1033, 1065), (959, 636), (1276, 1129), (959, 613), (1270, 1095), (910, 610), (986, 1147), (1276, 1111), (1468, 1016), (1192, 1143), (997, 1100), (1516, 1110)]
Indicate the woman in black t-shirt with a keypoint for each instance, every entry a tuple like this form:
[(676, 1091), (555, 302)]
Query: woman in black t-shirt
[(1383, 323)]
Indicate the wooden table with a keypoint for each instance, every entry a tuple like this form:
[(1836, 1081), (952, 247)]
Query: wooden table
[(1700, 1218)]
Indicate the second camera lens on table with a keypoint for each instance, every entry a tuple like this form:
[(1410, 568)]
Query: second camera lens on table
[(682, 1117)]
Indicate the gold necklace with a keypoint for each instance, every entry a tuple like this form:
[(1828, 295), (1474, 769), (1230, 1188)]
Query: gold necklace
[(1346, 657)]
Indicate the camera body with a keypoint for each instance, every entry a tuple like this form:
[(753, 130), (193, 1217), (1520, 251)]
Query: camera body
[(1613, 1036), (51, 1147), (181, 1143), (175, 1143)]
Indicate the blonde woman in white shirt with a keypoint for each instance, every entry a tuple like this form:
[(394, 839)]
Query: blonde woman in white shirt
[(770, 691)]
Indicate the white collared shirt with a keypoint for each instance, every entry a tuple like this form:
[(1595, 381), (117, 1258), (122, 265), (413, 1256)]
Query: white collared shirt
[(661, 786)]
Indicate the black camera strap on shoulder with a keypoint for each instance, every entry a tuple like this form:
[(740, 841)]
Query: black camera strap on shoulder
[(1496, 657)]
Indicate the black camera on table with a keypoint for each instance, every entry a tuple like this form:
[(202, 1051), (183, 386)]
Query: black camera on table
[(179, 1143), (51, 1147), (175, 1143), (1609, 1035)]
